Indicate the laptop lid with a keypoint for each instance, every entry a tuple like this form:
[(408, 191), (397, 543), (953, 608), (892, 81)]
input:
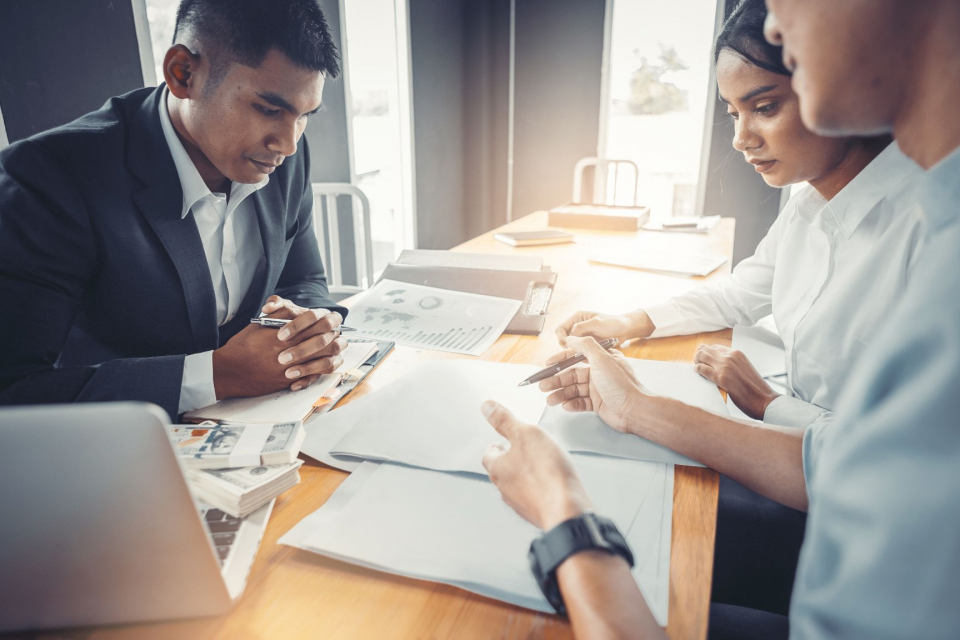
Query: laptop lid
[(97, 525)]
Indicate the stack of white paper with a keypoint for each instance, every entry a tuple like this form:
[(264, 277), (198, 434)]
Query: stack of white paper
[(425, 515), (428, 418), (588, 433), (456, 529)]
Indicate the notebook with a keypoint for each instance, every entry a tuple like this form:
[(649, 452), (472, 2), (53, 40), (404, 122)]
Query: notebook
[(534, 238)]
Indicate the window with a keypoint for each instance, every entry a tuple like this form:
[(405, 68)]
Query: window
[(657, 85), (161, 16), (376, 69)]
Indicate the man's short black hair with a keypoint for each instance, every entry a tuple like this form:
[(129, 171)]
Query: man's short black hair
[(245, 31)]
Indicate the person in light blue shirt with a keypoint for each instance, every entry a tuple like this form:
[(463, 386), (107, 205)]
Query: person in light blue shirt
[(881, 480), (881, 557)]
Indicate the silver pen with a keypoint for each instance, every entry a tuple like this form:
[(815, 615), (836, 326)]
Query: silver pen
[(276, 323), (554, 369)]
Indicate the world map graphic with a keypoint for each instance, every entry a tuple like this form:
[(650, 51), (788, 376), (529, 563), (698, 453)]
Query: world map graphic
[(389, 317)]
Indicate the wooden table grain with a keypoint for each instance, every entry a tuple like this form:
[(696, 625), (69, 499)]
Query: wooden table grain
[(296, 594)]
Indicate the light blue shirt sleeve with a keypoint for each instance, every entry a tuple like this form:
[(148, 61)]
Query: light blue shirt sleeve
[(788, 411), (881, 557)]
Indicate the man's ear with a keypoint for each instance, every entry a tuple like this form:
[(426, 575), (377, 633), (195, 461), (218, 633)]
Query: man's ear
[(180, 66)]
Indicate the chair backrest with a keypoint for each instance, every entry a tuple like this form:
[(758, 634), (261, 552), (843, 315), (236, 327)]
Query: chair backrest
[(325, 211), (602, 166)]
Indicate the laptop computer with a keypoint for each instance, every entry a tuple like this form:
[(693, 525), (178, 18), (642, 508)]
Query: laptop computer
[(98, 526)]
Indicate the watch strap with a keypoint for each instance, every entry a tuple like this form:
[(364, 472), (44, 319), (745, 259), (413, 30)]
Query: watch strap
[(583, 533)]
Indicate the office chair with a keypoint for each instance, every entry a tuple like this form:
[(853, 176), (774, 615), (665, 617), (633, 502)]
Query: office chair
[(601, 168), (327, 223)]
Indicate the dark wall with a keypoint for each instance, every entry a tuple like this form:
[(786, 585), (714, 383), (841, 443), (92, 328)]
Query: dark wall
[(459, 59), (486, 98), (327, 130), (329, 145), (60, 59), (437, 54), (733, 188), (559, 53), (460, 67)]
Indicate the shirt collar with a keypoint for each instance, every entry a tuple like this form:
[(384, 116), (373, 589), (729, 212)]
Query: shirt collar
[(193, 187), (809, 204), (941, 192), (887, 173)]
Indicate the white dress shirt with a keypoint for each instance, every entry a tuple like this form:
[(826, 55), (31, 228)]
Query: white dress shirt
[(881, 556), (829, 272), (230, 233)]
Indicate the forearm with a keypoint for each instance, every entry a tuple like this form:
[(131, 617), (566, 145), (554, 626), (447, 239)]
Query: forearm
[(743, 297), (155, 380), (767, 459), (641, 326), (603, 600)]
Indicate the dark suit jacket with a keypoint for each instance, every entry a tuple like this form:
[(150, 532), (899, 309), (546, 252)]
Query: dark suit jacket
[(105, 287)]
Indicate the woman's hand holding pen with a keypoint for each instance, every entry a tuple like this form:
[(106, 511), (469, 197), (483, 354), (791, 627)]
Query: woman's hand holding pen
[(608, 386)]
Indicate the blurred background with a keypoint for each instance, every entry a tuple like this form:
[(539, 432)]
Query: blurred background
[(452, 116)]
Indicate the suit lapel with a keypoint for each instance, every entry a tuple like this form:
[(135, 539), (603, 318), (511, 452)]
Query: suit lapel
[(271, 216), (161, 202)]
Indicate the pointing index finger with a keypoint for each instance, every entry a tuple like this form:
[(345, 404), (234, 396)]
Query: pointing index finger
[(500, 418)]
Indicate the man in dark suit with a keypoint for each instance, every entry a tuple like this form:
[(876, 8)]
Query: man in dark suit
[(137, 242)]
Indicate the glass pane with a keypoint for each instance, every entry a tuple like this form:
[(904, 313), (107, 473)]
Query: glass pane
[(162, 16), (373, 76), (660, 57)]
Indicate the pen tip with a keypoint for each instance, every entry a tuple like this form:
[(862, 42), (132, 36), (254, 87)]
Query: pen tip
[(523, 384)]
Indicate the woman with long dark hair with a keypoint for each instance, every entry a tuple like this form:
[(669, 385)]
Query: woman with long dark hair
[(830, 269)]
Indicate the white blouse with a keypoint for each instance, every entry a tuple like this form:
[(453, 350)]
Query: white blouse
[(829, 272)]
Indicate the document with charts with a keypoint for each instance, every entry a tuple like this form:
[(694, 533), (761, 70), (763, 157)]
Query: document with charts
[(432, 318)]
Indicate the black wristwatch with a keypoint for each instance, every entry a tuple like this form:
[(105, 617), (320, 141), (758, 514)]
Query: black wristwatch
[(583, 533)]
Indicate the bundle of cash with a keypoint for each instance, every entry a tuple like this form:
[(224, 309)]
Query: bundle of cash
[(216, 446), (241, 491)]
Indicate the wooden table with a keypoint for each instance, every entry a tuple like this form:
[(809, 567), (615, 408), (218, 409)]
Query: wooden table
[(296, 594)]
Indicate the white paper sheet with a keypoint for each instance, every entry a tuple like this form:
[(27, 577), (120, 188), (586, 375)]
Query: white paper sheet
[(496, 262), (431, 416), (284, 406), (432, 318), (586, 432), (697, 264), (455, 529), (326, 430)]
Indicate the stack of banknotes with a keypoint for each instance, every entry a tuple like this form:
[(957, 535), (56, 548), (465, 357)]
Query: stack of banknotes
[(238, 468), (220, 446), (243, 490)]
